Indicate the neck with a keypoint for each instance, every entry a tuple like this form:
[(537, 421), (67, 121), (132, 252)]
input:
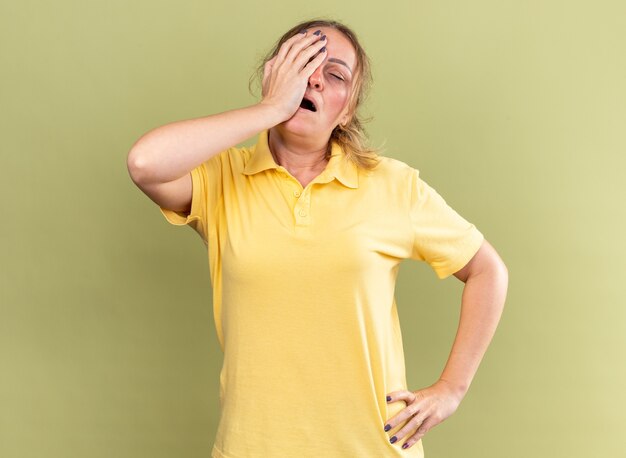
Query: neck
[(297, 154)]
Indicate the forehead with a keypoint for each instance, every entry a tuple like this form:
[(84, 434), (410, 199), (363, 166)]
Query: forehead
[(338, 45)]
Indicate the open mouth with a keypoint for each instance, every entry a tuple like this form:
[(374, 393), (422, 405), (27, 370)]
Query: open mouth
[(307, 104)]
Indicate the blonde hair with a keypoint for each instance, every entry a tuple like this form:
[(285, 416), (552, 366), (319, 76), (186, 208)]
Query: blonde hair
[(352, 136)]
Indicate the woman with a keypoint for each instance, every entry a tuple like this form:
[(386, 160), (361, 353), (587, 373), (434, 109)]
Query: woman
[(305, 232)]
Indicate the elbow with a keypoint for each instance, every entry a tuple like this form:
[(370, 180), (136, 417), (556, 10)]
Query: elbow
[(501, 268), (497, 270), (132, 167), (500, 278), (496, 266), (136, 164)]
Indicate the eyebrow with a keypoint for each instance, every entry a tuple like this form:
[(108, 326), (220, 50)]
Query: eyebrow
[(339, 61)]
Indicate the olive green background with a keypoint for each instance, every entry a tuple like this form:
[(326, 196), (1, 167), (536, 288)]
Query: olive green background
[(513, 110)]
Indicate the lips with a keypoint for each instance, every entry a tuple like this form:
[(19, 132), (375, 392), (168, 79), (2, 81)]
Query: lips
[(308, 104)]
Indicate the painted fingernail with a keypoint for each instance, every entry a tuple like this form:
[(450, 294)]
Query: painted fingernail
[(317, 32), (387, 427), (405, 445), (393, 439), (323, 49), (388, 398), (323, 37)]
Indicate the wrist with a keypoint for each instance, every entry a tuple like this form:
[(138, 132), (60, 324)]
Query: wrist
[(458, 388), (272, 112)]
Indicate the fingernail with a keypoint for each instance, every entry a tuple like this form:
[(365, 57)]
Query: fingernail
[(405, 445), (393, 439), (317, 32), (388, 398), (323, 37), (387, 428), (323, 49)]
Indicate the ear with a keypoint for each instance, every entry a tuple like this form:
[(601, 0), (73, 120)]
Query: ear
[(347, 116), (344, 120)]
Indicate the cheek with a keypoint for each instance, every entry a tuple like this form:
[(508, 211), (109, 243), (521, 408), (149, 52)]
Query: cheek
[(340, 99)]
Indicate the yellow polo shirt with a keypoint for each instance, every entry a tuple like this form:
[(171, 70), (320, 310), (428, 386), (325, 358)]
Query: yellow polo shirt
[(303, 297)]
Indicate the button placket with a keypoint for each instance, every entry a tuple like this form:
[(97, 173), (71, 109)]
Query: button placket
[(302, 208)]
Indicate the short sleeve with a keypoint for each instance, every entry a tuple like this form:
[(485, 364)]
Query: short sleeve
[(441, 237), (206, 183)]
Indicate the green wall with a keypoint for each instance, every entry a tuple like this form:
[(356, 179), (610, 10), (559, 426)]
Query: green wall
[(515, 111)]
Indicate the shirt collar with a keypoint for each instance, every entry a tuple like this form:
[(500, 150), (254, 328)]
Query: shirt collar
[(338, 165)]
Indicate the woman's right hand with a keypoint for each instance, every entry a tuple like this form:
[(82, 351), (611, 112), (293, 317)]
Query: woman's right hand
[(286, 75)]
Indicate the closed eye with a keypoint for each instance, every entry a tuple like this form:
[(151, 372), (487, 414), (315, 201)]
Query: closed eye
[(338, 77)]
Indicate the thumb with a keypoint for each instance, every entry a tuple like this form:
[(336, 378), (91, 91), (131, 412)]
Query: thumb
[(267, 70)]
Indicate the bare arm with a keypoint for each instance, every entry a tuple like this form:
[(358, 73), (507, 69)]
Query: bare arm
[(169, 152), (161, 161), (486, 283)]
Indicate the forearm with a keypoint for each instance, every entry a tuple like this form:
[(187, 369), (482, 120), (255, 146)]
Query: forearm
[(482, 302), (168, 152)]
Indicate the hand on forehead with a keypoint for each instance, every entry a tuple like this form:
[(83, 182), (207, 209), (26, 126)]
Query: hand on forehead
[(338, 47)]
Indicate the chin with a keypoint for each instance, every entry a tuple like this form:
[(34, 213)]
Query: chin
[(298, 126)]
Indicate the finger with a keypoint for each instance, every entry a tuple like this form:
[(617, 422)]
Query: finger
[(401, 395), (426, 426), (309, 52), (405, 415), (267, 70), (270, 63), (287, 45), (414, 422), (314, 62), (410, 399), (298, 47)]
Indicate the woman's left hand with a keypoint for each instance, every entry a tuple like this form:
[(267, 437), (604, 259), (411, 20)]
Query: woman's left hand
[(425, 409)]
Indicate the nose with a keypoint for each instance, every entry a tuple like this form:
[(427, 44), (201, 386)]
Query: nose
[(315, 80)]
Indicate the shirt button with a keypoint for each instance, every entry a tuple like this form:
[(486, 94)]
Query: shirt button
[(302, 213), (296, 193)]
